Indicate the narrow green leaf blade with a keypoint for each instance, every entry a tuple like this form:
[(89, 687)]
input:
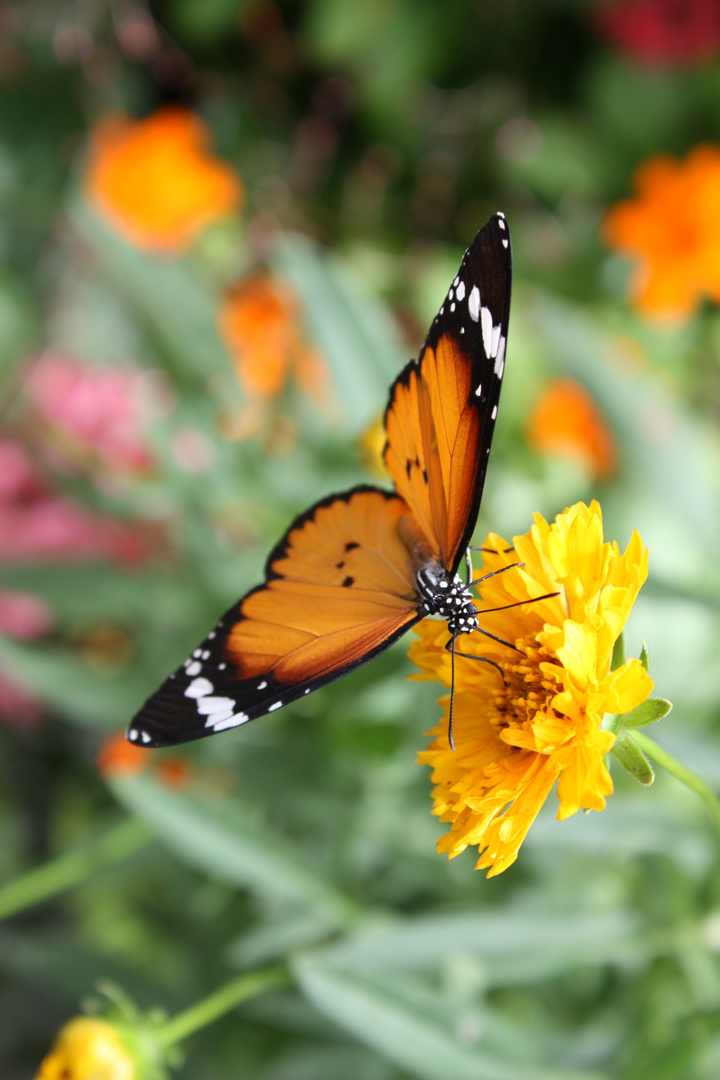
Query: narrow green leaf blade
[(223, 840), (355, 334), (414, 1038)]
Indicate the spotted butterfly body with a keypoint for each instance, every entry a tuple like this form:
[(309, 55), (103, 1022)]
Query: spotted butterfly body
[(359, 568)]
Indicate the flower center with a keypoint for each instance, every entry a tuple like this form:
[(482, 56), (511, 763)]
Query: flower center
[(527, 690)]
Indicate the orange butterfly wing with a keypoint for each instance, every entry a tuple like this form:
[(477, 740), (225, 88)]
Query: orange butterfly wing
[(443, 406), (340, 586), (339, 589)]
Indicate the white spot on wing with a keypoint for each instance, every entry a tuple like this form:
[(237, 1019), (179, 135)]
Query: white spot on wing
[(218, 717), (474, 303), (199, 688), (487, 329), (494, 412), (193, 668), (500, 359), (207, 705), (261, 685), (231, 721), (132, 734), (145, 737), (452, 307), (461, 290), (505, 242), (478, 392), (277, 705), (495, 340)]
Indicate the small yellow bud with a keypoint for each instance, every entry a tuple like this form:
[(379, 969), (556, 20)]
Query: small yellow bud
[(89, 1049)]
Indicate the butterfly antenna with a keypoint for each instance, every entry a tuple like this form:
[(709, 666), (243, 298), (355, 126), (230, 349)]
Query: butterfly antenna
[(491, 551)]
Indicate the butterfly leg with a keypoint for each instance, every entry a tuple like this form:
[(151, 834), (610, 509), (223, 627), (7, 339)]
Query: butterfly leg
[(467, 656), (452, 691)]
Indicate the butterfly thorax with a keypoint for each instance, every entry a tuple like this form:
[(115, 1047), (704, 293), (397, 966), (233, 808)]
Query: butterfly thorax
[(447, 595)]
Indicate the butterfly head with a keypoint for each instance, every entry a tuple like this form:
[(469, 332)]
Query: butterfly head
[(446, 594)]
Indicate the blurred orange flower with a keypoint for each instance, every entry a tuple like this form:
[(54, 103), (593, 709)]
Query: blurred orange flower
[(117, 755), (260, 323), (155, 180), (672, 228), (567, 421)]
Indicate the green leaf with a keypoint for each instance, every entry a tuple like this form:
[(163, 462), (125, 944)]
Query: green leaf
[(226, 841), (680, 469), (62, 679), (645, 656), (356, 335), (18, 323), (410, 1031), (521, 945), (630, 756), (205, 21), (176, 305), (646, 713)]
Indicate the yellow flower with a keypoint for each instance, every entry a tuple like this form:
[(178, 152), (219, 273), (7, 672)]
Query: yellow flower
[(156, 181), (672, 229), (89, 1049), (372, 445), (542, 721)]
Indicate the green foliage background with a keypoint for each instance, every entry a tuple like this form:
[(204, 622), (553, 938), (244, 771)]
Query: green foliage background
[(378, 137)]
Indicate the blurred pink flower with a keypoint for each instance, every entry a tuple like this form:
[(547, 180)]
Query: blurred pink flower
[(23, 615), (39, 524), (92, 412), (18, 477)]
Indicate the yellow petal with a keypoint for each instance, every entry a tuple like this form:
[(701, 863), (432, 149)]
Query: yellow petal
[(626, 687)]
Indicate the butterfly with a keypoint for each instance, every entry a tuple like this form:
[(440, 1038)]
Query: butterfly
[(358, 569)]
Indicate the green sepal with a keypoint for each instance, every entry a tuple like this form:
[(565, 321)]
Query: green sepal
[(645, 655), (618, 655), (630, 756), (646, 713)]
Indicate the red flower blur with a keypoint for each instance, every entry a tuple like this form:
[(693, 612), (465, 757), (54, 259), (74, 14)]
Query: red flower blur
[(663, 32)]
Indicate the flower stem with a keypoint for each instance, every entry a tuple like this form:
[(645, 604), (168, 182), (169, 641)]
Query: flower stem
[(70, 869), (221, 1001), (680, 772)]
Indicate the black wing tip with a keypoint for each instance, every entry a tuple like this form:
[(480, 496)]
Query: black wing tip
[(137, 736)]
